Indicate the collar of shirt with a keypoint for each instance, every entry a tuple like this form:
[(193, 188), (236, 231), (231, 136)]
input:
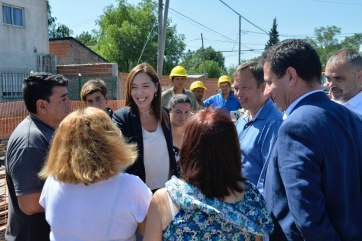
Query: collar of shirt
[(354, 101), (246, 114), (173, 90), (294, 103)]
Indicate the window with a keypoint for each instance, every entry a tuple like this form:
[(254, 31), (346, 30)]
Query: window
[(13, 15)]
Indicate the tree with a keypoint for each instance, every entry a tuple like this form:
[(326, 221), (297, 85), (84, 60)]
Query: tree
[(88, 39), (326, 42), (273, 35), (213, 69), (56, 30), (59, 31), (51, 20), (194, 62), (128, 36), (231, 71)]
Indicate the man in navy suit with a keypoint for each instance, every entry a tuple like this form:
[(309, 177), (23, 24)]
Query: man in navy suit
[(313, 184)]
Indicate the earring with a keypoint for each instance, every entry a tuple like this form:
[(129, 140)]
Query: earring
[(155, 94)]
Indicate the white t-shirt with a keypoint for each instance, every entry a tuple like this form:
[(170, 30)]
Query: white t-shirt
[(107, 210), (156, 158)]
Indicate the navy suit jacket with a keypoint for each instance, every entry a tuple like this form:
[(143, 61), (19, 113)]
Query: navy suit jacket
[(128, 121), (313, 183)]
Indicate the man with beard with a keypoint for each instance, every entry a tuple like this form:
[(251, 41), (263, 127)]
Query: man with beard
[(198, 88), (178, 77), (344, 78), (225, 99)]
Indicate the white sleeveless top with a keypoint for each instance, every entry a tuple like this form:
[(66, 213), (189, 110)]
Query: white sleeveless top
[(156, 158)]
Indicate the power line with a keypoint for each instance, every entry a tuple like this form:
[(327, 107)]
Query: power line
[(245, 18), (244, 50), (201, 24), (264, 32), (232, 41)]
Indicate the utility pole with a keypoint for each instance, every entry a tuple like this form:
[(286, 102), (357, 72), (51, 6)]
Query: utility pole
[(239, 26), (203, 56), (159, 49), (162, 24), (239, 37)]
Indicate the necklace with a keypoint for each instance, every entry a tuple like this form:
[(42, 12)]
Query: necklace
[(147, 111)]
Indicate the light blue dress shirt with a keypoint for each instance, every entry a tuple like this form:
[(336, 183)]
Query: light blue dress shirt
[(218, 101), (257, 138)]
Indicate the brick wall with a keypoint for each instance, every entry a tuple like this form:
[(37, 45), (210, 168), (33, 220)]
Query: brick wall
[(106, 71), (70, 51), (61, 49), (89, 70)]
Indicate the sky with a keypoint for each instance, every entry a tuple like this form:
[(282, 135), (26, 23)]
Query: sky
[(218, 21)]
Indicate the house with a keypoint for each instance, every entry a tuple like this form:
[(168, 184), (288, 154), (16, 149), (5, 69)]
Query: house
[(71, 51), (79, 63), (24, 44)]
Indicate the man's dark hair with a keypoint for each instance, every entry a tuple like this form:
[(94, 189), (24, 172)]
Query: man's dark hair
[(296, 53), (40, 85), (256, 70)]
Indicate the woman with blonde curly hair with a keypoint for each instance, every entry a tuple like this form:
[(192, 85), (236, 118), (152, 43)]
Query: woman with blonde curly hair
[(86, 195)]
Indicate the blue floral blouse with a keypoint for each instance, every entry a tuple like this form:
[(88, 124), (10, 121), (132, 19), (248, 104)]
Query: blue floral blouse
[(201, 218)]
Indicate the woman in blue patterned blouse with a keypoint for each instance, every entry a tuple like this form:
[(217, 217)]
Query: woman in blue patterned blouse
[(212, 201)]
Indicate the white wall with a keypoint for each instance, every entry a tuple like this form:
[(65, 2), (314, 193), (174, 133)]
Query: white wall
[(19, 46)]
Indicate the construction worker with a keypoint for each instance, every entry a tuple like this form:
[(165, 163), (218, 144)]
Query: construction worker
[(198, 88), (178, 78), (225, 99)]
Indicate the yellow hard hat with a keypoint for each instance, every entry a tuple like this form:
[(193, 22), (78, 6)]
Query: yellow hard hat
[(223, 79), (178, 71), (197, 84)]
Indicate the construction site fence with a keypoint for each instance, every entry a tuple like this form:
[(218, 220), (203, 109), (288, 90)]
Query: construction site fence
[(12, 113)]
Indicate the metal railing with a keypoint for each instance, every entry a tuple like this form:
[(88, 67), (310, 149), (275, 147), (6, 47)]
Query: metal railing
[(11, 83), (75, 86)]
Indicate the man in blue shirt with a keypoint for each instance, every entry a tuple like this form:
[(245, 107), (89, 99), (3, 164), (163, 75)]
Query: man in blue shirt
[(258, 127), (226, 99)]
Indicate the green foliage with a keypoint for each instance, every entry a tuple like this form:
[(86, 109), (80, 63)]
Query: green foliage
[(51, 20), (56, 30), (231, 71), (326, 42), (128, 35), (88, 39), (59, 31), (213, 69), (273, 35), (194, 62)]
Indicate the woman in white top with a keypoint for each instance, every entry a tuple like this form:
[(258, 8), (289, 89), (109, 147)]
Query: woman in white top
[(143, 121), (86, 195)]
